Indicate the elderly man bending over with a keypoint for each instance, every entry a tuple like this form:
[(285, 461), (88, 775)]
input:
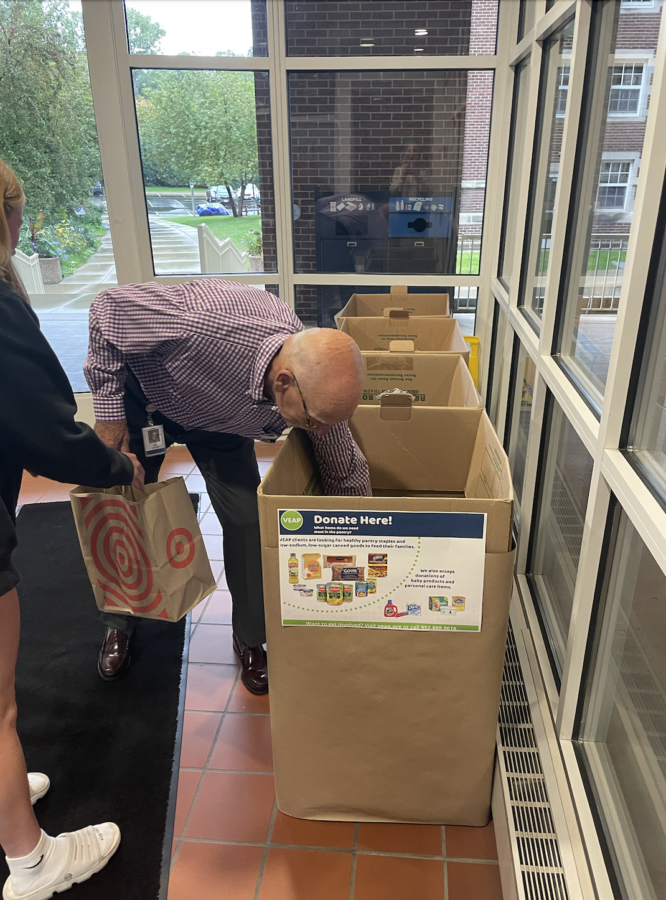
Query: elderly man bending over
[(220, 365)]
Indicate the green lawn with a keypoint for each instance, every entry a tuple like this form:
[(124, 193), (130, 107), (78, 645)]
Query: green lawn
[(223, 226), (467, 263)]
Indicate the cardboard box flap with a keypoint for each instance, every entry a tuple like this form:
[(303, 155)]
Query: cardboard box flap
[(300, 477), (489, 472), (411, 455)]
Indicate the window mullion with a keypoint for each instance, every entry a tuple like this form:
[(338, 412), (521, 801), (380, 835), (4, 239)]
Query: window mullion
[(639, 252)]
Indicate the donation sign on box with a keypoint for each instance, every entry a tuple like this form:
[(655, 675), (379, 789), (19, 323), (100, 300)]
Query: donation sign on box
[(421, 571)]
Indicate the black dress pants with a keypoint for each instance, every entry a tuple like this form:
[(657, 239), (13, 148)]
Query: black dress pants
[(229, 467)]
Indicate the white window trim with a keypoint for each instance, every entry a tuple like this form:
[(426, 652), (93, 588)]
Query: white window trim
[(642, 91)]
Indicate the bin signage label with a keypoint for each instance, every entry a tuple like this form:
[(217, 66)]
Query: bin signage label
[(418, 571)]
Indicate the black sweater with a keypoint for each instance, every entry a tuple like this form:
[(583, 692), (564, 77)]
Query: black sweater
[(37, 427)]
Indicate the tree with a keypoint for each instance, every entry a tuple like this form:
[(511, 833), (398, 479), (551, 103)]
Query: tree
[(48, 134), (203, 124), (145, 36)]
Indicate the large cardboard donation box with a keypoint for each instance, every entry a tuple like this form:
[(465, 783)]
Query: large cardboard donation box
[(397, 304), (387, 620), (433, 379), (430, 334)]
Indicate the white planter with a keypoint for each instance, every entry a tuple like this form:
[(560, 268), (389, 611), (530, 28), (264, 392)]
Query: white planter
[(256, 263), (50, 269)]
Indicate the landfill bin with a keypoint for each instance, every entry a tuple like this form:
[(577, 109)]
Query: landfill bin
[(384, 705)]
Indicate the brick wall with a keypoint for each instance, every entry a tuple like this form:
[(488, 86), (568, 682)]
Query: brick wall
[(337, 27), (638, 30)]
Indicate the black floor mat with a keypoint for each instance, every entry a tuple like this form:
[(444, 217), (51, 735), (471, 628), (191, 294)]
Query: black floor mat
[(108, 748)]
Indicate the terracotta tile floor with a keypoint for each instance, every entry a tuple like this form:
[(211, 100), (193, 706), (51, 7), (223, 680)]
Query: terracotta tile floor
[(230, 839)]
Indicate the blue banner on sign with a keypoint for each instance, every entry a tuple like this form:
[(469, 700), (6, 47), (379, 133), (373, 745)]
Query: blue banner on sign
[(380, 522), (421, 204)]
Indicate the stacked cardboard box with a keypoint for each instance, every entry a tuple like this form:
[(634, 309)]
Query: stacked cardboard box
[(398, 304), (433, 379), (373, 722)]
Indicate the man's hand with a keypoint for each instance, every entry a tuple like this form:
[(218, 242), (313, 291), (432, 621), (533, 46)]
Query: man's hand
[(139, 473), (114, 434)]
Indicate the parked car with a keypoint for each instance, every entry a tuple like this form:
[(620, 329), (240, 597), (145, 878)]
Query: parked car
[(251, 192), (217, 193), (211, 209)]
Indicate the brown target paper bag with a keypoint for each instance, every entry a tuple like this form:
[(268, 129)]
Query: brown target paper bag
[(143, 550)]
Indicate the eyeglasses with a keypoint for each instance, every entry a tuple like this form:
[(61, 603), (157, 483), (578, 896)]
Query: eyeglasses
[(308, 420)]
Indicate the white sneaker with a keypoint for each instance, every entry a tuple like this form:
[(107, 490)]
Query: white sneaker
[(78, 856), (39, 785)]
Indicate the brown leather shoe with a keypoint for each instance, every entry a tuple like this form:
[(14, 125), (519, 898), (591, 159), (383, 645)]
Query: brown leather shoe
[(254, 667), (114, 657)]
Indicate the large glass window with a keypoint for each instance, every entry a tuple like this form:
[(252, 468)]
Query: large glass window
[(622, 733), (545, 168), (562, 492), (646, 443), (391, 28), (206, 154), (197, 27), (49, 138), (388, 170), (611, 137), (521, 395), (510, 224)]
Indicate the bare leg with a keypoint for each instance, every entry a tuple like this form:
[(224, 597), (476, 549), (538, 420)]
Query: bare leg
[(19, 831)]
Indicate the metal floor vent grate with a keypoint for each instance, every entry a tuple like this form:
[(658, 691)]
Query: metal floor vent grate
[(539, 857)]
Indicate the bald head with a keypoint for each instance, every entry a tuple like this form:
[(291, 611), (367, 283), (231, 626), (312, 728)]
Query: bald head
[(329, 369)]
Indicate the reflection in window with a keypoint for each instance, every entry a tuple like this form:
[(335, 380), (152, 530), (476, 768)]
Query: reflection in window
[(622, 733), (206, 155), (546, 163), (518, 431), (379, 189), (510, 222), (610, 148), (562, 492), (197, 27), (391, 28), (647, 435)]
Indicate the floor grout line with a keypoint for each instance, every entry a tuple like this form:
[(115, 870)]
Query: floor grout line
[(340, 850), (352, 877), (445, 868), (264, 858)]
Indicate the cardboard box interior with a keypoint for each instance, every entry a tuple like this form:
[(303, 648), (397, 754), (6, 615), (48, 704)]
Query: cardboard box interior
[(427, 334), (375, 725), (434, 379), (398, 300)]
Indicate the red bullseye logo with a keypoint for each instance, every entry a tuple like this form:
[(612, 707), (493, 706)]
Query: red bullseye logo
[(180, 548), (118, 551)]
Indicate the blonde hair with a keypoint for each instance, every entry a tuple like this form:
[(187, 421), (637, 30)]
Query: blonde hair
[(11, 197)]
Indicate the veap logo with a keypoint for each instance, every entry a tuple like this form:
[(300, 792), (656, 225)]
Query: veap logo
[(291, 519)]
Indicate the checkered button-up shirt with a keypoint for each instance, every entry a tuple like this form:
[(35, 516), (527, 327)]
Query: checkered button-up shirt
[(201, 352)]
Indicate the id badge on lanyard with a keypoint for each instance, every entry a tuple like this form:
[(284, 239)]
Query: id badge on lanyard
[(154, 443)]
